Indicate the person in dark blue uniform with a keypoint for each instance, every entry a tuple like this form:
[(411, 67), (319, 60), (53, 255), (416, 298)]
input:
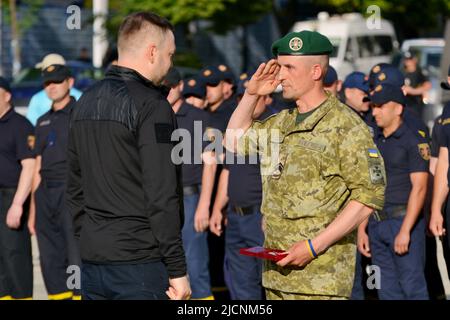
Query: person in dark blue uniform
[(417, 83), (229, 85), (396, 234), (191, 121), (17, 162), (438, 225), (240, 188), (54, 228), (331, 83), (385, 73)]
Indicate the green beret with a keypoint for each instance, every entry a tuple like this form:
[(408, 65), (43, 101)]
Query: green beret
[(304, 43)]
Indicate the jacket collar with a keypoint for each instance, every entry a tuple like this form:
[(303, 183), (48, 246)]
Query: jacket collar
[(130, 74), (310, 122)]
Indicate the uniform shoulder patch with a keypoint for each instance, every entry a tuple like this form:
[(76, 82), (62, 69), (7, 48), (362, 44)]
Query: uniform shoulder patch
[(31, 141), (373, 153), (445, 121), (424, 150), (422, 133)]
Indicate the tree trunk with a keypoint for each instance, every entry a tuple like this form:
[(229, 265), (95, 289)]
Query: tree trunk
[(15, 43)]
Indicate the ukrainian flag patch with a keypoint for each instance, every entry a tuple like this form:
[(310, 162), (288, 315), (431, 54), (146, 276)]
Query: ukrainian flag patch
[(373, 153)]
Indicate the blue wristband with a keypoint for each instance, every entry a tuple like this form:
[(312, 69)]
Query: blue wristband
[(312, 248)]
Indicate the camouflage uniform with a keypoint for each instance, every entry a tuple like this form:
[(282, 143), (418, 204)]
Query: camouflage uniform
[(323, 163)]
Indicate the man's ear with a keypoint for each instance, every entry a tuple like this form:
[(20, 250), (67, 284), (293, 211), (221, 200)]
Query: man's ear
[(8, 96), (151, 52), (398, 109), (317, 72), (71, 82), (339, 85), (181, 84)]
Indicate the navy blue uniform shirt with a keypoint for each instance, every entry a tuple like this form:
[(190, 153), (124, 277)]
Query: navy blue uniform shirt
[(404, 152), (219, 118), (244, 181), (52, 133), (446, 133), (410, 119), (437, 137), (16, 144), (186, 116)]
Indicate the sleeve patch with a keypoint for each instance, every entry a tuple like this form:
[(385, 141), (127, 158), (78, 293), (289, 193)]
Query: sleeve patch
[(424, 150)]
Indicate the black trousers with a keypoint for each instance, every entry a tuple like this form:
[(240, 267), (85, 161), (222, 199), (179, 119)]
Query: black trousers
[(16, 265), (144, 281), (57, 246)]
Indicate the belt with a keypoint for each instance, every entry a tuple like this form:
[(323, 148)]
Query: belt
[(243, 211), (390, 213), (191, 190)]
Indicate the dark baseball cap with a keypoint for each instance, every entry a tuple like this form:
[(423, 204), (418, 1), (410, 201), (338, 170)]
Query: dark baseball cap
[(172, 78), (356, 80), (331, 76), (385, 73), (211, 75), (408, 55), (194, 86), (444, 84), (55, 73), (227, 74), (384, 93), (242, 83), (4, 84)]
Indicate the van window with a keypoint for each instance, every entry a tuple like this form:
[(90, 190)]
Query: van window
[(349, 49), (382, 45), (370, 46), (365, 46)]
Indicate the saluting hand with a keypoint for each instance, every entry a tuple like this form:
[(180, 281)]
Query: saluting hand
[(265, 80)]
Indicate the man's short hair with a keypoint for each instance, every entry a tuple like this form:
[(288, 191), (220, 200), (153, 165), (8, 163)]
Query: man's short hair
[(135, 22)]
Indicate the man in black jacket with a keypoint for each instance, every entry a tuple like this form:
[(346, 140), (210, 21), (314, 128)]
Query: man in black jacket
[(123, 188)]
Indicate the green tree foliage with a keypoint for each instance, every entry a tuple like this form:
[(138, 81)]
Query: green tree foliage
[(411, 18), (225, 14), (28, 13)]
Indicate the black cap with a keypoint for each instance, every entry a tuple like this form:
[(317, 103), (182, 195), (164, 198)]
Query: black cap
[(385, 73), (385, 93), (55, 73), (330, 77), (194, 87), (4, 84), (444, 84), (172, 78), (408, 55), (227, 74), (212, 75)]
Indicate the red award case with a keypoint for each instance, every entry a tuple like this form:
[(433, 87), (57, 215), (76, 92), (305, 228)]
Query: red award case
[(264, 253)]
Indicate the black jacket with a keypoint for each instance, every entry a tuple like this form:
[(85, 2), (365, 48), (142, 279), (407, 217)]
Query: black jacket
[(123, 189)]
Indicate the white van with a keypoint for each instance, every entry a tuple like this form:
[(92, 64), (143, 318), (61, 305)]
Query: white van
[(356, 46)]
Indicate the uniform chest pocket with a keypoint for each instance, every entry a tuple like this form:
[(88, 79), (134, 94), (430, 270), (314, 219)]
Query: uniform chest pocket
[(304, 159)]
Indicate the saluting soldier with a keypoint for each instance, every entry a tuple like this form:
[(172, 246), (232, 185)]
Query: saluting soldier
[(325, 180)]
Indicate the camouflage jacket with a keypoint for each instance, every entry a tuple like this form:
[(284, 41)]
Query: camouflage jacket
[(310, 171)]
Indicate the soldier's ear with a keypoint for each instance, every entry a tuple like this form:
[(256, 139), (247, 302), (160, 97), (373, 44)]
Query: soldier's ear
[(398, 109), (317, 72)]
